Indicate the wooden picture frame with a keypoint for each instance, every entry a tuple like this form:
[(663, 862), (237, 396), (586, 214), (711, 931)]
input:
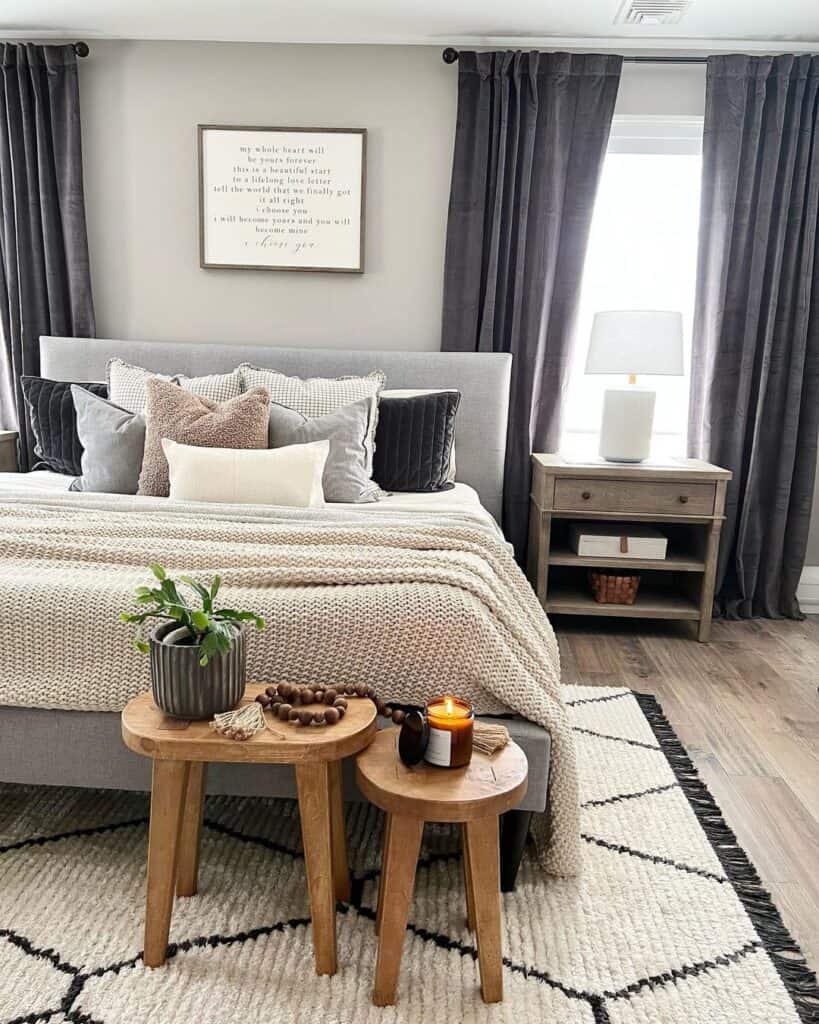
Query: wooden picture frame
[(297, 194)]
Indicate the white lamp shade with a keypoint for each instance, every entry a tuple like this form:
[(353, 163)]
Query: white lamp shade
[(636, 341)]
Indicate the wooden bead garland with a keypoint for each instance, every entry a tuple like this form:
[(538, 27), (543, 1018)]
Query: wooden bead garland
[(284, 699)]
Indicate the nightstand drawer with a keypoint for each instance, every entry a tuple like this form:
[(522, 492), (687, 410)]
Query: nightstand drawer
[(646, 496)]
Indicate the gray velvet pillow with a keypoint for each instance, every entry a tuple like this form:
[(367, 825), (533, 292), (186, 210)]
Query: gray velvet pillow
[(113, 440), (345, 472)]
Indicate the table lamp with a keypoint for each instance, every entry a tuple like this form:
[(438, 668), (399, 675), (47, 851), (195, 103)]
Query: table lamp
[(632, 341)]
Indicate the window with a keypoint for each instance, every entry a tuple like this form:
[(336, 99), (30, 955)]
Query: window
[(642, 254)]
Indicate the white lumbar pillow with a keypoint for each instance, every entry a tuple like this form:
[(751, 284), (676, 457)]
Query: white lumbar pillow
[(256, 476)]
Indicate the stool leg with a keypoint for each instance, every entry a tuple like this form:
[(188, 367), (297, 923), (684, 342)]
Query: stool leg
[(169, 781), (379, 909), (187, 874), (514, 833), (484, 862), (313, 785), (470, 896), (403, 846), (341, 871)]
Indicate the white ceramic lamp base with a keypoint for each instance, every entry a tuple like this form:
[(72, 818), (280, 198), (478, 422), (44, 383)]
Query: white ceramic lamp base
[(628, 417)]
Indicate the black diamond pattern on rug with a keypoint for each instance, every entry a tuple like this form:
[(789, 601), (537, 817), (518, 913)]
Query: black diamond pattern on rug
[(669, 922)]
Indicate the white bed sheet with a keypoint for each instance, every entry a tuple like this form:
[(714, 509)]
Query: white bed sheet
[(40, 481), (462, 497)]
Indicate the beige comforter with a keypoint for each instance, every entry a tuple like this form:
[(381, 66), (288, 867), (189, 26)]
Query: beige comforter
[(414, 604)]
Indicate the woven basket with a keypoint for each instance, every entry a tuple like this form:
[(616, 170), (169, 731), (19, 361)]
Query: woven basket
[(611, 588)]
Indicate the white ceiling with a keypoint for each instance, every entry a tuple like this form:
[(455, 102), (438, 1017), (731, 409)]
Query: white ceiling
[(718, 24)]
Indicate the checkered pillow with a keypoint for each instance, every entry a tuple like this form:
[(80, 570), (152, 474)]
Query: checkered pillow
[(318, 396), (126, 384)]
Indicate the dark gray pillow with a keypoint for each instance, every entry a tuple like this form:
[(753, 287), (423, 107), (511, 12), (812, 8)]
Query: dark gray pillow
[(113, 439), (413, 442), (53, 423), (345, 472)]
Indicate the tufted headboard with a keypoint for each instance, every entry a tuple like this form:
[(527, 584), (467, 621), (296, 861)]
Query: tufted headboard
[(481, 377)]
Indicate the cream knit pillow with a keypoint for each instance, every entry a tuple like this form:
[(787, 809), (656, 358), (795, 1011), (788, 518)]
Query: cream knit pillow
[(191, 419)]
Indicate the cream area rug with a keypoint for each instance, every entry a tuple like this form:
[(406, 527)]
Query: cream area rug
[(667, 925)]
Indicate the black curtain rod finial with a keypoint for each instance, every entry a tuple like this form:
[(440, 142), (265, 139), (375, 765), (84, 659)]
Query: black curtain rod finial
[(450, 55), (81, 49)]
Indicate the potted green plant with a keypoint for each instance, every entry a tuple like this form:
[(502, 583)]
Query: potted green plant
[(198, 656)]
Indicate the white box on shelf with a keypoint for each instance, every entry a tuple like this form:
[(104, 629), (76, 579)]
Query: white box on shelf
[(608, 540)]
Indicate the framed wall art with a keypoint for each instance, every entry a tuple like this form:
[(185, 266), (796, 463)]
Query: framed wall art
[(282, 198)]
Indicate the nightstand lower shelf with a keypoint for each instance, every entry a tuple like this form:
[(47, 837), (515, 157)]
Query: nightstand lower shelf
[(650, 604)]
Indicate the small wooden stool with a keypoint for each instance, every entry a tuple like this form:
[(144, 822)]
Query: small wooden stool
[(181, 752), (475, 796)]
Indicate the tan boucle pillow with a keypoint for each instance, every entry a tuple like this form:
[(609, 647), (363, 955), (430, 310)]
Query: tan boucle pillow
[(178, 414)]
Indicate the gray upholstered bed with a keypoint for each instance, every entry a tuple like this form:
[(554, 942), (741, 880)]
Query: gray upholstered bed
[(83, 748)]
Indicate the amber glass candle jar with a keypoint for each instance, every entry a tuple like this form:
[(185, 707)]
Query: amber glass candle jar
[(450, 721)]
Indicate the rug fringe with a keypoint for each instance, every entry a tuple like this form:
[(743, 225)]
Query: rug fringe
[(786, 956)]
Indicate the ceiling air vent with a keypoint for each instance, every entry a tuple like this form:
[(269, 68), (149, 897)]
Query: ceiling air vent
[(651, 12)]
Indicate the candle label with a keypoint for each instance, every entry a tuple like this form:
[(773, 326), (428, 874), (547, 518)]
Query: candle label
[(439, 748)]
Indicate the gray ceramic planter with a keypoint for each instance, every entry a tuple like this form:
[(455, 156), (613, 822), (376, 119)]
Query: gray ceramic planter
[(185, 689)]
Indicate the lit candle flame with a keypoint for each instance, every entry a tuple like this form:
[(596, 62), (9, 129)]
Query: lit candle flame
[(449, 705)]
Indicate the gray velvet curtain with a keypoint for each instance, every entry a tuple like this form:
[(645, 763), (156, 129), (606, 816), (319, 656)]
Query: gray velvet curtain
[(45, 286), (755, 365), (531, 136)]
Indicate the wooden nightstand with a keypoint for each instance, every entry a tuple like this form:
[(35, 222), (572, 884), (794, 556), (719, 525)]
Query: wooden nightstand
[(8, 451), (683, 498)]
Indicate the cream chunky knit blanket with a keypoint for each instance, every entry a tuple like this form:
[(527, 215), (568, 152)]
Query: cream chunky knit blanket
[(415, 604)]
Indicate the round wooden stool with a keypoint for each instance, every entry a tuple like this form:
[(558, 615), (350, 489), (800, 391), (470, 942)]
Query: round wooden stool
[(475, 796), (181, 752)]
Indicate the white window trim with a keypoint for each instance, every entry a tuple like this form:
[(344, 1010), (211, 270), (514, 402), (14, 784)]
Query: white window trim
[(656, 134)]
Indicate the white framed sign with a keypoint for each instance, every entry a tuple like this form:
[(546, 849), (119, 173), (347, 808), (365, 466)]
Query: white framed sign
[(282, 198)]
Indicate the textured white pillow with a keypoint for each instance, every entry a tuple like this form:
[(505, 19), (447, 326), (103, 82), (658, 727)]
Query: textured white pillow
[(256, 476), (126, 384), (413, 393)]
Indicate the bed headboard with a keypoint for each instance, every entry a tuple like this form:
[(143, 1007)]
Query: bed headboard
[(481, 377)]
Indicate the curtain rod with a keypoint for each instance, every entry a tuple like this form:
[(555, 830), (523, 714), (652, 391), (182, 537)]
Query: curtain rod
[(81, 49), (450, 56)]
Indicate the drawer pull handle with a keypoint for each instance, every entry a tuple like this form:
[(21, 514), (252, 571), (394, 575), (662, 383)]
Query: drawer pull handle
[(585, 495), (683, 499)]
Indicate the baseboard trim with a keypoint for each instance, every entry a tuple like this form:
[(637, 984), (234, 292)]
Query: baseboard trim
[(808, 590)]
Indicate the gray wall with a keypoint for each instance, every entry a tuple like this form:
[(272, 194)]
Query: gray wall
[(650, 89), (141, 102)]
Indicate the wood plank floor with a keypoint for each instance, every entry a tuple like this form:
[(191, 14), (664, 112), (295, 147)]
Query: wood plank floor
[(746, 707)]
